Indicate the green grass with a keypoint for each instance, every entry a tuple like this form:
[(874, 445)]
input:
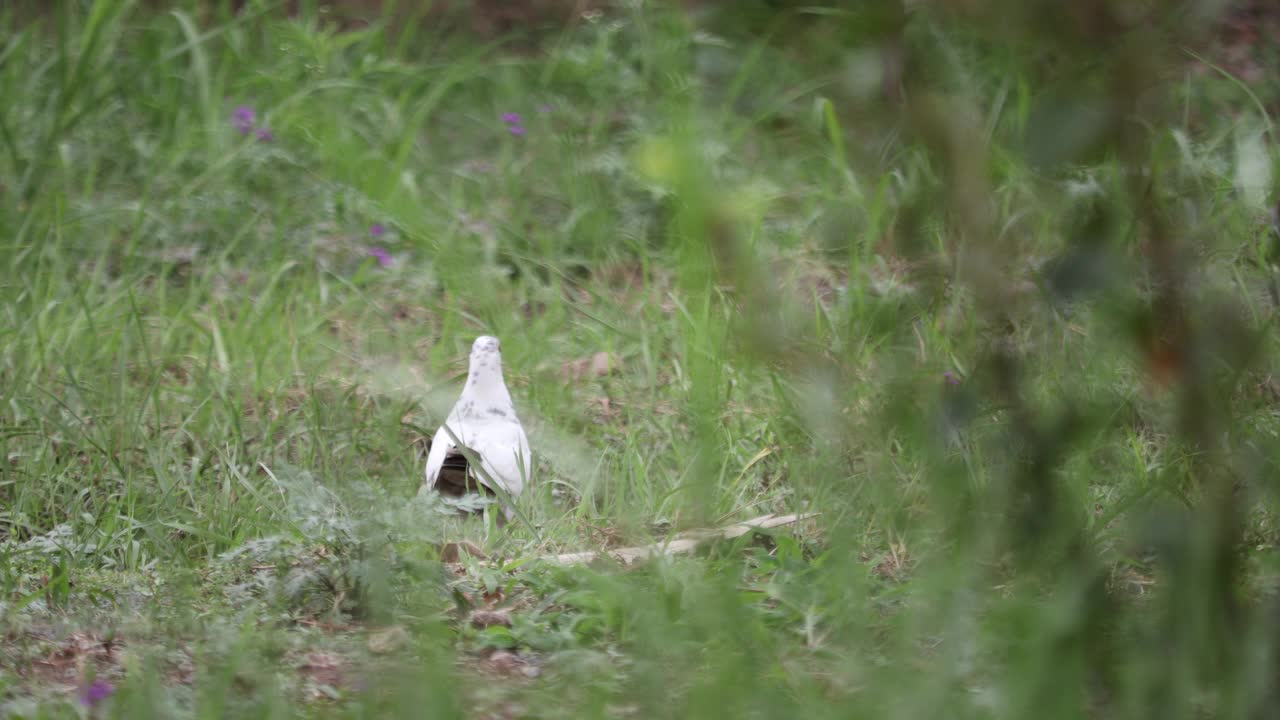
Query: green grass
[(941, 321)]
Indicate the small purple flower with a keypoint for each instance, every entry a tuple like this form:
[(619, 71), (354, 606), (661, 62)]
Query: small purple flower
[(381, 255), (95, 692), (265, 135), (951, 378), (515, 124), (243, 119), (377, 230), (544, 108)]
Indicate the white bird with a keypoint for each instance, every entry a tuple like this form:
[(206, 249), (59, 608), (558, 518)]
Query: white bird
[(484, 421)]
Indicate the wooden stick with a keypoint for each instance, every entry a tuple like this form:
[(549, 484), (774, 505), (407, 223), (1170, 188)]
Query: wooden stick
[(682, 543)]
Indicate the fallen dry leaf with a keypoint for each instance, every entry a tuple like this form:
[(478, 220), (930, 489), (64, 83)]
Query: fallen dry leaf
[(387, 640), (451, 552), (506, 662), (489, 618), (324, 668), (894, 563), (73, 654), (598, 365), (603, 363)]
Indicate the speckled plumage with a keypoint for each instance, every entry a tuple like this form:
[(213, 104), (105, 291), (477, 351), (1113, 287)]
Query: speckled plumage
[(485, 421)]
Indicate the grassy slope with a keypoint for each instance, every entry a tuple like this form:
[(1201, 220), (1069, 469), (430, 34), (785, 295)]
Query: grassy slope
[(212, 395)]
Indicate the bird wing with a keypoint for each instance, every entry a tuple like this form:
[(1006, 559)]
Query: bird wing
[(441, 444), (504, 451)]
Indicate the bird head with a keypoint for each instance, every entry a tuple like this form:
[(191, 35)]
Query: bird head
[(486, 364), (485, 345)]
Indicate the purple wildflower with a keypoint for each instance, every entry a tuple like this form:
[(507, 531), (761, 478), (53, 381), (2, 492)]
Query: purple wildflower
[(265, 135), (381, 255), (95, 692), (243, 119), (515, 124), (377, 230), (951, 378)]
